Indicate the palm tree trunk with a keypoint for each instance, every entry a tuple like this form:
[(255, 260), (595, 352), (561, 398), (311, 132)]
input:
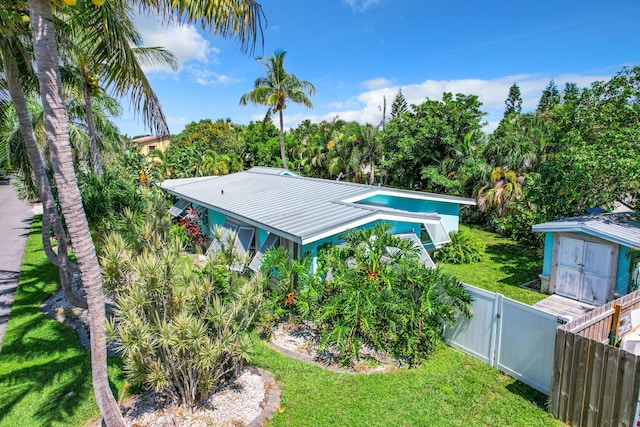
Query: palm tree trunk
[(47, 62), (96, 164), (283, 153), (50, 216)]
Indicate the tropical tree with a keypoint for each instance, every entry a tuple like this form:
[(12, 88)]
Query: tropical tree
[(424, 136), (550, 97), (374, 291), (240, 19), (106, 47), (504, 189), (275, 89), (15, 54)]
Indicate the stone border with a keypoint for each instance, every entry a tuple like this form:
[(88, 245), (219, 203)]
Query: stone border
[(271, 402)]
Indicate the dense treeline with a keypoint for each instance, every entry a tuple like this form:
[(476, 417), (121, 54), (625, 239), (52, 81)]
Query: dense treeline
[(578, 149)]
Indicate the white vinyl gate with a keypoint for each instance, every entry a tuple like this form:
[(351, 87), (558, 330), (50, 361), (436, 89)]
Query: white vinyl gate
[(515, 338)]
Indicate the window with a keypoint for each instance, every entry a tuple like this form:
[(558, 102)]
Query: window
[(152, 148), (256, 262)]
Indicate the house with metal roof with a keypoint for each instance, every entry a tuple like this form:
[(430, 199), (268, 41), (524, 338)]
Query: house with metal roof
[(585, 258), (264, 207)]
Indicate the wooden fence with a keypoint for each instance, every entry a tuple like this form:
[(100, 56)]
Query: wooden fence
[(592, 382)]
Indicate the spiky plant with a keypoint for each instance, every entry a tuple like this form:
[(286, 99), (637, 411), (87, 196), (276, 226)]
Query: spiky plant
[(179, 330)]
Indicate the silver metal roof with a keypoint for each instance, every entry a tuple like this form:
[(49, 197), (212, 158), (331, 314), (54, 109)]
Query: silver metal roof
[(620, 228), (301, 209)]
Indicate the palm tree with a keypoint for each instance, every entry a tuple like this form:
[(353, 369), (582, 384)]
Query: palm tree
[(235, 18), (504, 189), (106, 48), (13, 52), (275, 89)]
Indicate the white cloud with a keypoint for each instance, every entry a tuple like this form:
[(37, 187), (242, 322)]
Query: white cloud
[(176, 121), (184, 41), (377, 83), (360, 5), (206, 77)]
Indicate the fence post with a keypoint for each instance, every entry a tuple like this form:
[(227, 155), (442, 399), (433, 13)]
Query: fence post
[(498, 328)]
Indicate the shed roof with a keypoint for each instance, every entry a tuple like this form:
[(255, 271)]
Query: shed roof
[(302, 209), (620, 228)]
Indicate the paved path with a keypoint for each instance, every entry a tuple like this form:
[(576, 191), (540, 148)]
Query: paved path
[(15, 222)]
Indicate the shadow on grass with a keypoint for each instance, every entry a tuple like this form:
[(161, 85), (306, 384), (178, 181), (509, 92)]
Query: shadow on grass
[(45, 374), (519, 264), (530, 394)]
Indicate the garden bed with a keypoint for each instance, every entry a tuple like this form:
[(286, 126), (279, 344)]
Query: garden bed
[(302, 341)]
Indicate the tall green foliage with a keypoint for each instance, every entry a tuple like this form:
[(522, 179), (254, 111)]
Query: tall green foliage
[(374, 291), (463, 249), (181, 331), (425, 136)]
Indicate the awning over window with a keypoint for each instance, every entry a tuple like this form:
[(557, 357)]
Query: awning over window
[(221, 236), (256, 262), (437, 233), (244, 238), (179, 207), (240, 237)]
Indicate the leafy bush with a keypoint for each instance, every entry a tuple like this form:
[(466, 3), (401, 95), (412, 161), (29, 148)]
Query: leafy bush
[(367, 294), (179, 330), (287, 291), (106, 197), (463, 249)]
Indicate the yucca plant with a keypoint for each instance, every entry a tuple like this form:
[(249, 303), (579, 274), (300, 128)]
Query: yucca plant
[(179, 330)]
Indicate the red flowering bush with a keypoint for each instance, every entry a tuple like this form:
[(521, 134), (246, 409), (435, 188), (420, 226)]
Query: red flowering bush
[(191, 222)]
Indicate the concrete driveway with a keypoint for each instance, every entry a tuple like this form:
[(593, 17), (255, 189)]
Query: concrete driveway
[(15, 222)]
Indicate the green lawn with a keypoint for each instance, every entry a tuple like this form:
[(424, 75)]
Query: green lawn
[(451, 389), (507, 265), (45, 378), (45, 375)]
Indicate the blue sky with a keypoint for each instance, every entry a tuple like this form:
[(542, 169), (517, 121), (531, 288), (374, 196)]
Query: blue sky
[(356, 52)]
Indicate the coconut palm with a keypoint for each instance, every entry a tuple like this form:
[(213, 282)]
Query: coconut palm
[(105, 48), (275, 89), (235, 18), (14, 53)]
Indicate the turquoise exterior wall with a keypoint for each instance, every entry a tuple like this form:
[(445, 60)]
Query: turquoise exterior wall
[(449, 212), (548, 254), (215, 218), (262, 236), (622, 278)]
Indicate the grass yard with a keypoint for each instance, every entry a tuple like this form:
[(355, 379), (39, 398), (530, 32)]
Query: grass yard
[(450, 389), (507, 265), (45, 375), (45, 378)]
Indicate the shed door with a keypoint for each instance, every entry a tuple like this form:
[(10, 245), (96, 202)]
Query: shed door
[(584, 270)]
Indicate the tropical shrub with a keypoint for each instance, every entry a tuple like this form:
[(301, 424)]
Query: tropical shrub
[(105, 197), (374, 291), (180, 330), (287, 288), (191, 223), (463, 249)]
